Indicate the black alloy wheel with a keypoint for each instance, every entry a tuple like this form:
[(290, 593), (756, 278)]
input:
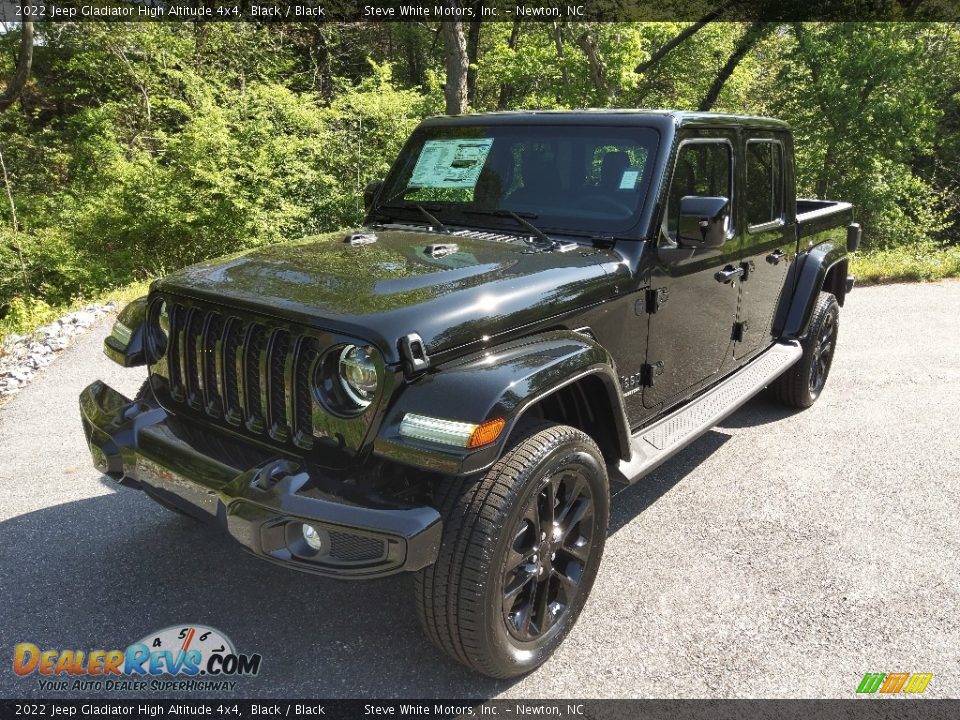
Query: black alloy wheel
[(548, 555), (823, 353)]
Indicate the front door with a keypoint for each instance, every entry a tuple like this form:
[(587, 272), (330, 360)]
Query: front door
[(690, 333), (767, 245)]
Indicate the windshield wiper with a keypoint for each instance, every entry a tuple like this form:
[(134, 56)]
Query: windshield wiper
[(520, 218), (399, 195), (434, 222)]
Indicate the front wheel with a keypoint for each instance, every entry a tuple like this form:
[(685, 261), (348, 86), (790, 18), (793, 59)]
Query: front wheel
[(520, 551), (802, 384)]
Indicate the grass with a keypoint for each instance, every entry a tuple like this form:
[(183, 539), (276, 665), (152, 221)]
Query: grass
[(926, 262), (27, 317)]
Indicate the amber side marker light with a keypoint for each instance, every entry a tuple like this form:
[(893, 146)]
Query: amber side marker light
[(486, 433)]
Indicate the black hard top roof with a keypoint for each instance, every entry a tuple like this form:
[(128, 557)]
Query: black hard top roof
[(677, 118)]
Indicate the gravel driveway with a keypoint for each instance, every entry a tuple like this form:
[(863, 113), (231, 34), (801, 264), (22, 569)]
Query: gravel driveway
[(783, 554)]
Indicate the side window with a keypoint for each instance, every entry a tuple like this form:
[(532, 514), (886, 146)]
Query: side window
[(764, 192), (703, 169)]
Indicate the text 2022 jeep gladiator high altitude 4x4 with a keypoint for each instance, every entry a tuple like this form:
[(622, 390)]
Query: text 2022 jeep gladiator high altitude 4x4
[(538, 307)]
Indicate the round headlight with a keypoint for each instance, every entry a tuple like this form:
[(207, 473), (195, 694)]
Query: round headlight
[(358, 374)]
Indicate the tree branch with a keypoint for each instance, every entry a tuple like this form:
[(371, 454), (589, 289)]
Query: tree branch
[(754, 34), (687, 32)]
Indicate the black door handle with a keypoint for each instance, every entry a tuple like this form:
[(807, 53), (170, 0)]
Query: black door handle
[(775, 257), (728, 274)]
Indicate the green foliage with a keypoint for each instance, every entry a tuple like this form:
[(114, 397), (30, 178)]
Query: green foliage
[(925, 261), (185, 166), (139, 148)]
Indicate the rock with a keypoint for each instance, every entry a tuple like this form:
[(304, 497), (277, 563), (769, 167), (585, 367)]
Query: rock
[(84, 318), (22, 355)]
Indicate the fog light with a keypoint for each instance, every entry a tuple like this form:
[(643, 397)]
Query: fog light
[(313, 538)]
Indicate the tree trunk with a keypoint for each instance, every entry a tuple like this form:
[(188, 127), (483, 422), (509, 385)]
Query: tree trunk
[(325, 64), (588, 43), (506, 89), (473, 57), (455, 49), (200, 33), (24, 276), (754, 34), (413, 47), (558, 41), (22, 73)]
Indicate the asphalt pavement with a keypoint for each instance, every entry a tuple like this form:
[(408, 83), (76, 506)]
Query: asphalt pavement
[(784, 554)]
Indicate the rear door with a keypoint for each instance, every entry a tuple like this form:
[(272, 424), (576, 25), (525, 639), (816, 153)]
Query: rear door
[(689, 333), (769, 238)]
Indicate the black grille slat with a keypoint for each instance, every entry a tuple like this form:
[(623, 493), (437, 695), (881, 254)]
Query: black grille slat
[(254, 346), (277, 384), (307, 355), (232, 334), (211, 369), (175, 354), (192, 352)]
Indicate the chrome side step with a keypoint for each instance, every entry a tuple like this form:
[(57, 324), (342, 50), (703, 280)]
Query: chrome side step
[(654, 444)]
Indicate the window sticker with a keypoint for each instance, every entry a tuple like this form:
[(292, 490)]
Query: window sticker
[(450, 163), (628, 180)]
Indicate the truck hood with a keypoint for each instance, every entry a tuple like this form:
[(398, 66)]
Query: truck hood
[(385, 290)]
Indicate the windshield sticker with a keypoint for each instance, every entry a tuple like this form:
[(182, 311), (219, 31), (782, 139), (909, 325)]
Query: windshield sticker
[(450, 163), (629, 179)]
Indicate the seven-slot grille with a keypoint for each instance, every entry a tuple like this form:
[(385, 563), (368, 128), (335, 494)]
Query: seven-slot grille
[(242, 372)]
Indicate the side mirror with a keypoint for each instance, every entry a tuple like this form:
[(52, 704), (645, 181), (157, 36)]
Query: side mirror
[(370, 193), (703, 221)]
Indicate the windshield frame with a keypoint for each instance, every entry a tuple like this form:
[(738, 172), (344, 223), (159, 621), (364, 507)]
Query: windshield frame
[(459, 214)]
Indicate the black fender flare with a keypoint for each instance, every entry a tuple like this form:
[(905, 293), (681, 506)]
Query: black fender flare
[(125, 343), (805, 280), (500, 382)]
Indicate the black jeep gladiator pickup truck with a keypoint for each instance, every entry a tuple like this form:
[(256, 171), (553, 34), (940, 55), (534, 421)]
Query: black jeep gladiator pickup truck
[(539, 308)]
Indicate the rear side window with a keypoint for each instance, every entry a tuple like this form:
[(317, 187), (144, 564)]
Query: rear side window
[(704, 169), (764, 199)]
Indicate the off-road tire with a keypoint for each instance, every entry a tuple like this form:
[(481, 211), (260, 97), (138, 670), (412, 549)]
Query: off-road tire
[(799, 387), (460, 598)]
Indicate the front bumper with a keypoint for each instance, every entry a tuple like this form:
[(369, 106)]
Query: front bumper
[(265, 507)]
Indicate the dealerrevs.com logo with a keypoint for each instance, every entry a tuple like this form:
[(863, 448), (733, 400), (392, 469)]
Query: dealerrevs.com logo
[(180, 657)]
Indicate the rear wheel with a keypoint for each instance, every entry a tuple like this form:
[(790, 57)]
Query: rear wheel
[(802, 384), (520, 551)]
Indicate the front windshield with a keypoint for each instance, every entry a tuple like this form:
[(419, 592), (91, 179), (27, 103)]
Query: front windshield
[(591, 179)]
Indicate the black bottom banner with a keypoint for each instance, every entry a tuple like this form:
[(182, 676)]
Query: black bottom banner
[(853, 709)]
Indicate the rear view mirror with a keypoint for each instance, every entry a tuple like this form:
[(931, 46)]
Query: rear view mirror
[(703, 221), (370, 193)]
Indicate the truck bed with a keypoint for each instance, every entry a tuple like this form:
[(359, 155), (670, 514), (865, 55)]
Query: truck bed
[(816, 216)]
